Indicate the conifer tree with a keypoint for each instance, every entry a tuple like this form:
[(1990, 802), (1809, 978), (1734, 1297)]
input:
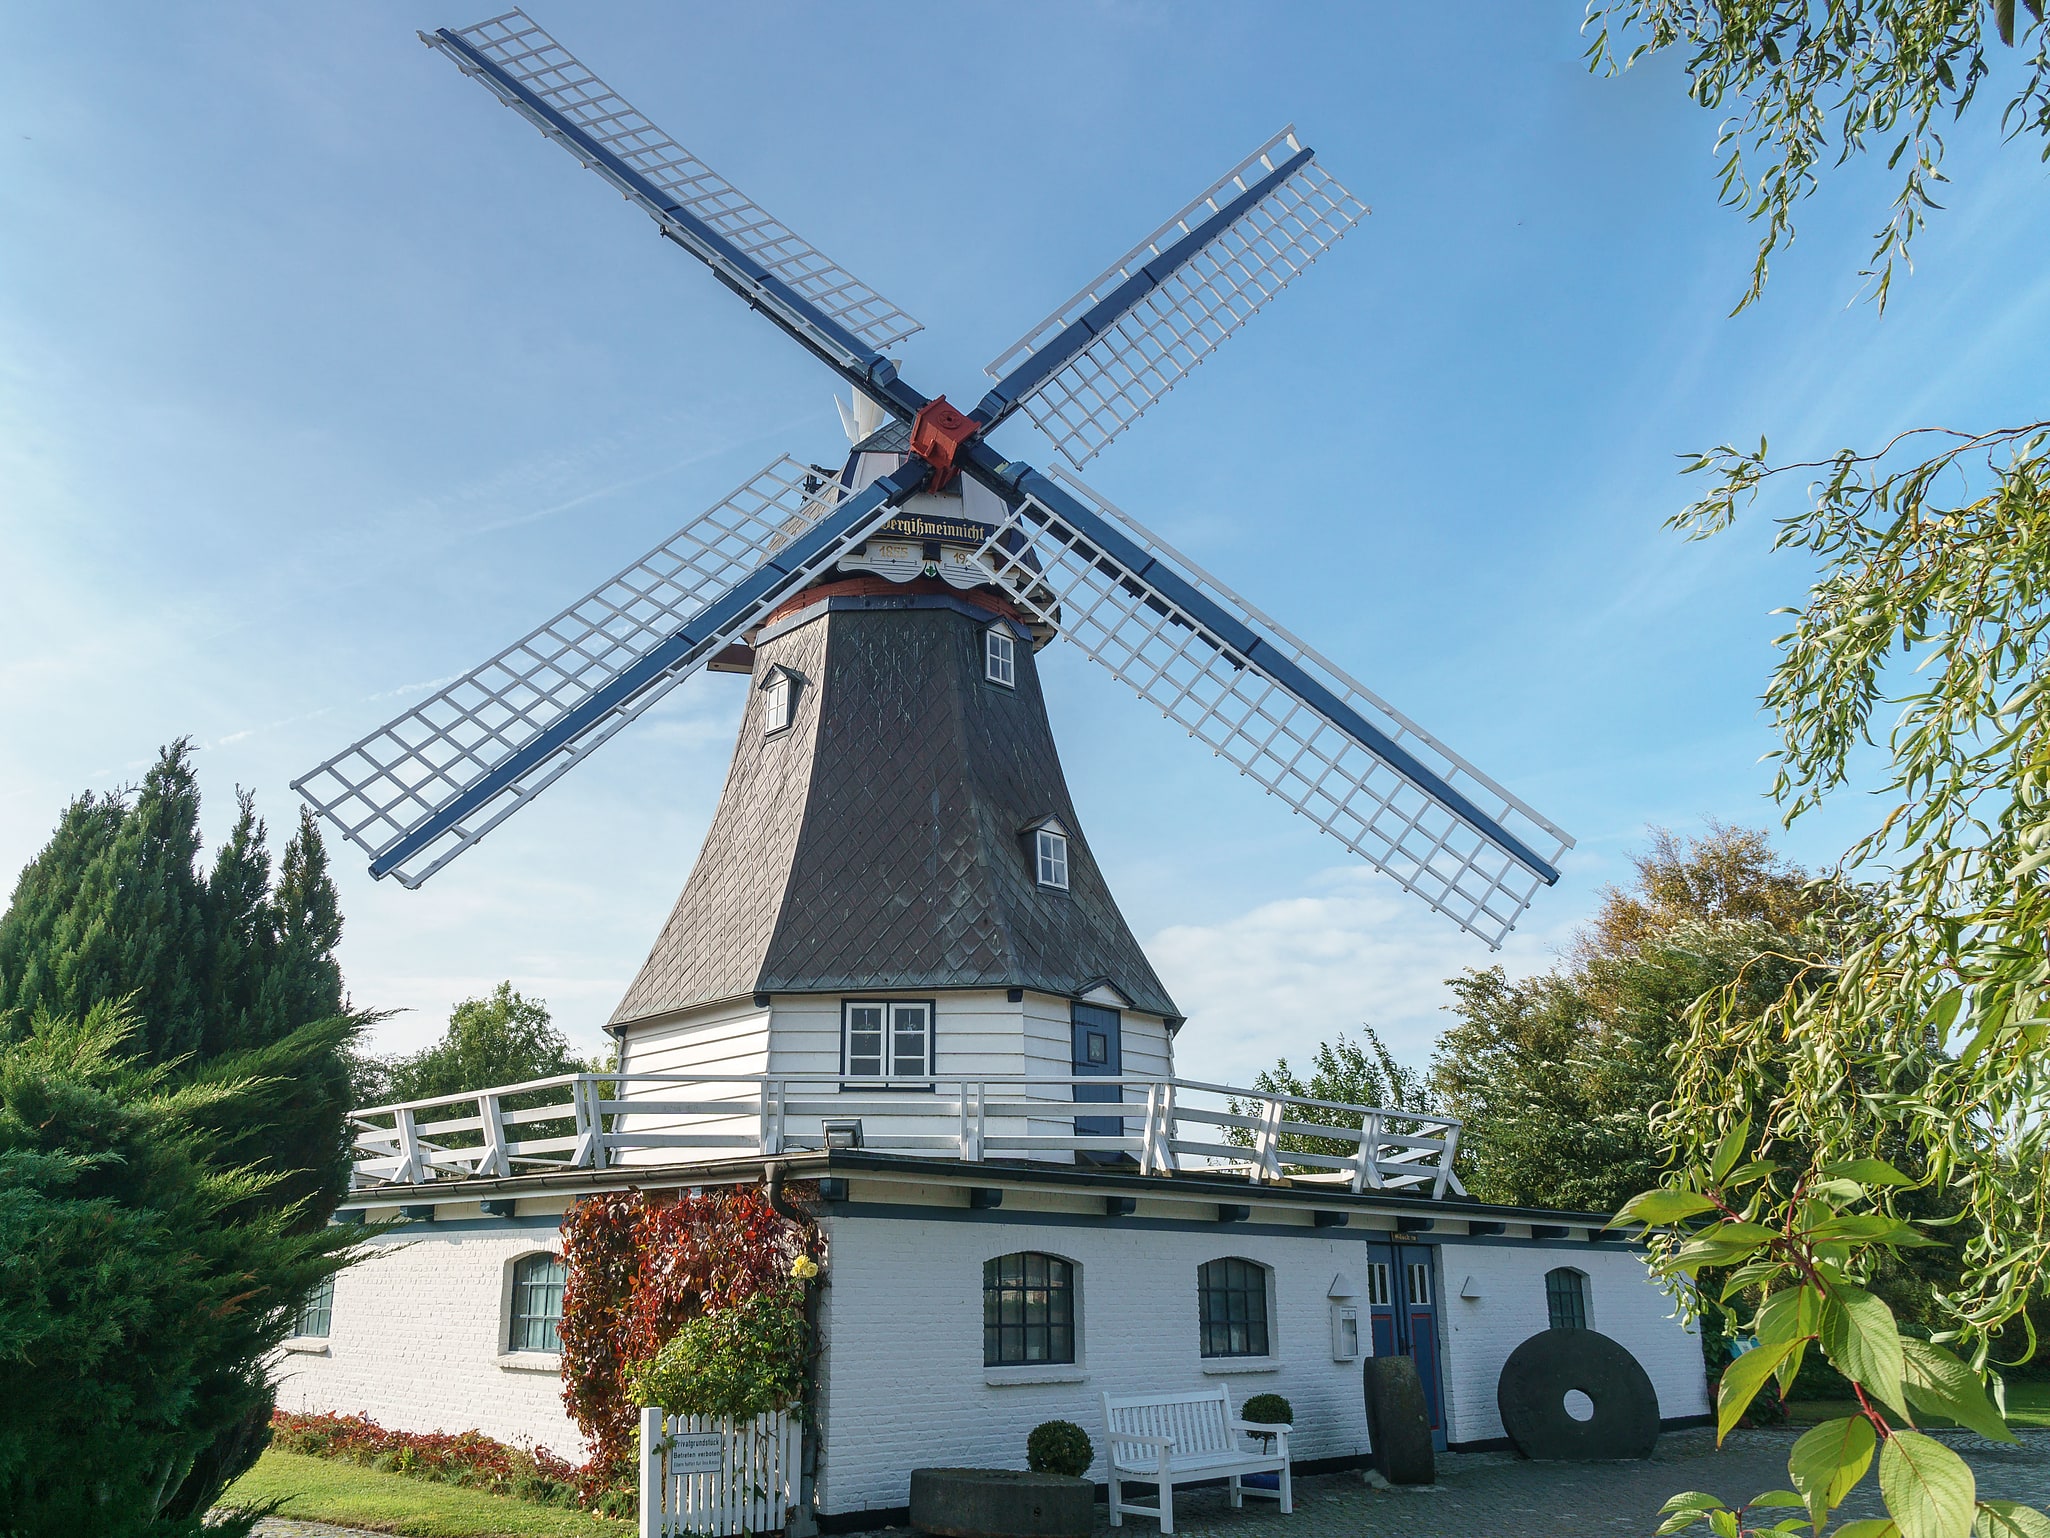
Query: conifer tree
[(231, 989)]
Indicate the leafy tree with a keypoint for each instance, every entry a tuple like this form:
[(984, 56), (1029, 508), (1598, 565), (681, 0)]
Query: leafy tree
[(144, 1276), (1916, 1063), (222, 972), (1557, 1076), (503, 1038)]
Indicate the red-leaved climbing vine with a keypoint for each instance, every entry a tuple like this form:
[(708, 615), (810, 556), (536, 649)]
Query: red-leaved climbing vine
[(640, 1266)]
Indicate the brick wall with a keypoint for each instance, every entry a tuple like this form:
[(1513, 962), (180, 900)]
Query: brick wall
[(418, 1340), (906, 1387)]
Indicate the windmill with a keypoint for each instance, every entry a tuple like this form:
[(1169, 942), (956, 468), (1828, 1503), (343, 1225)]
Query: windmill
[(927, 514)]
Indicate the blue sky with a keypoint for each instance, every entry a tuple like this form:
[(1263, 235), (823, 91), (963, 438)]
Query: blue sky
[(322, 377)]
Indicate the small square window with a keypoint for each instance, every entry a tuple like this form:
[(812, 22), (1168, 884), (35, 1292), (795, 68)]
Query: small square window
[(1099, 1047), (889, 1040), (1000, 657), (1052, 851)]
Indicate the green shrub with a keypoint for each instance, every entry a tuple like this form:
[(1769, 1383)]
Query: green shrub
[(741, 1361), (1059, 1447), (1268, 1409)]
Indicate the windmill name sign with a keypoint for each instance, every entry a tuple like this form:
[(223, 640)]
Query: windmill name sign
[(896, 972)]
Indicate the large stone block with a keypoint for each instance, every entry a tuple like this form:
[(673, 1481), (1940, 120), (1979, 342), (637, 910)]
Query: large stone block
[(1001, 1503), (1398, 1421)]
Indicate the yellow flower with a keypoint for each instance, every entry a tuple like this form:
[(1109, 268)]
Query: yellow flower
[(804, 1268)]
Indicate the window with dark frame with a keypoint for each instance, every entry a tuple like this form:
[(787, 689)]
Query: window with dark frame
[(1000, 657), (1028, 1310), (1566, 1298), (536, 1304), (1232, 1305), (888, 1039), (317, 1314)]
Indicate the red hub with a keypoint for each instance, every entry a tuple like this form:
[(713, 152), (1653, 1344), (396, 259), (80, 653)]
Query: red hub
[(937, 434)]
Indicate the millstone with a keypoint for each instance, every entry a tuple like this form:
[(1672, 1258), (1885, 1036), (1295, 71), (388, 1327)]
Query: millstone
[(1542, 1371)]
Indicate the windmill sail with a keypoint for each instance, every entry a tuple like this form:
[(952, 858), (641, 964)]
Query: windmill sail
[(1286, 717), (417, 792), (1088, 371), (669, 181)]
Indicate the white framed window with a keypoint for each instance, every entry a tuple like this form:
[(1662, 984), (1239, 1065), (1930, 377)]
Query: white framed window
[(1050, 855), (537, 1283), (779, 701), (1231, 1307), (317, 1314), (887, 1039), (1000, 657)]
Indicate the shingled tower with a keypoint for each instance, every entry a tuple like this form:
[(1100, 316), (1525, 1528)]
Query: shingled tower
[(895, 883)]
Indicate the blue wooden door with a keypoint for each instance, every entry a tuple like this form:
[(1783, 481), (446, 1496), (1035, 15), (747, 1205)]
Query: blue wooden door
[(1099, 1050), (1402, 1307)]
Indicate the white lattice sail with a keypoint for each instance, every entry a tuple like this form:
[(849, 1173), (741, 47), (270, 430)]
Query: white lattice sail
[(1143, 351), (542, 65), (386, 786), (1248, 717)]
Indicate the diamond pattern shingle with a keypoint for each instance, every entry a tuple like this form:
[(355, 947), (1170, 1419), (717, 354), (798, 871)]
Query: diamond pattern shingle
[(897, 862)]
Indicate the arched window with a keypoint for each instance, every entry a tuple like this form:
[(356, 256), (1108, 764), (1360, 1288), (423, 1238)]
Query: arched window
[(1028, 1310), (1232, 1304), (317, 1313), (1566, 1298), (536, 1303)]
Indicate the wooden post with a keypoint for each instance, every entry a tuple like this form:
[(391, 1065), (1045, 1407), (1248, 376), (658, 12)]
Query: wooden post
[(654, 1520), (1267, 1142), (1445, 1162), (1366, 1168), (496, 1161), (411, 1171), (772, 1116)]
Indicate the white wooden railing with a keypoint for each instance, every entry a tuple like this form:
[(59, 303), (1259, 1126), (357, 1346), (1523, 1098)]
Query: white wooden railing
[(606, 1121)]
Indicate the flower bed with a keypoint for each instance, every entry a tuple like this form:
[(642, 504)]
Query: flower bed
[(467, 1458)]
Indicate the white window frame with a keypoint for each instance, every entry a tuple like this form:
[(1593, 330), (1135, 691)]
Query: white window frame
[(779, 702), (1378, 1295), (885, 1062), (1050, 859), (1000, 657)]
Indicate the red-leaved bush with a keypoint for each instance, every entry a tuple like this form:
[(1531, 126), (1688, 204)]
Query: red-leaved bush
[(467, 1458), (639, 1268)]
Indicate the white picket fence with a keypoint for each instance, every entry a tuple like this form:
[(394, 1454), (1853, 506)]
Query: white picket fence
[(603, 1121), (714, 1477)]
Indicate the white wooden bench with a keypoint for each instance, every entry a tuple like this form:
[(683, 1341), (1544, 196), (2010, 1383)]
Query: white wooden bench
[(1179, 1439)]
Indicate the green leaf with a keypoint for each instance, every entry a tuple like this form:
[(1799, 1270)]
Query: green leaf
[(1939, 1384), (1837, 1191), (1742, 1380), (1662, 1206), (1863, 1343), (2003, 18), (1928, 1488), (1745, 1174), (1792, 1313), (1691, 1500), (1776, 1498), (2011, 1519), (1828, 1462), (1868, 1172), (1729, 1150), (1723, 1524), (1868, 1527)]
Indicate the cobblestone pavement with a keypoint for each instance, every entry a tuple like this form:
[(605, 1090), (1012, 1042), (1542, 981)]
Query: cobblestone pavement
[(1485, 1495)]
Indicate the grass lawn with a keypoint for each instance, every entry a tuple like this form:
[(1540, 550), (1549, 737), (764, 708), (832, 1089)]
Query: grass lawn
[(2028, 1404), (326, 1490)]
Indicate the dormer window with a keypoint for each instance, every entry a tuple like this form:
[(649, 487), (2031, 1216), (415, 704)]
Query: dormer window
[(1000, 657), (1051, 848), (1046, 845), (779, 700)]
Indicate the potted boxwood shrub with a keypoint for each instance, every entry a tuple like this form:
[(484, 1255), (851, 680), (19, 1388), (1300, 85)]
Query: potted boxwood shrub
[(1060, 1447), (1269, 1410)]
